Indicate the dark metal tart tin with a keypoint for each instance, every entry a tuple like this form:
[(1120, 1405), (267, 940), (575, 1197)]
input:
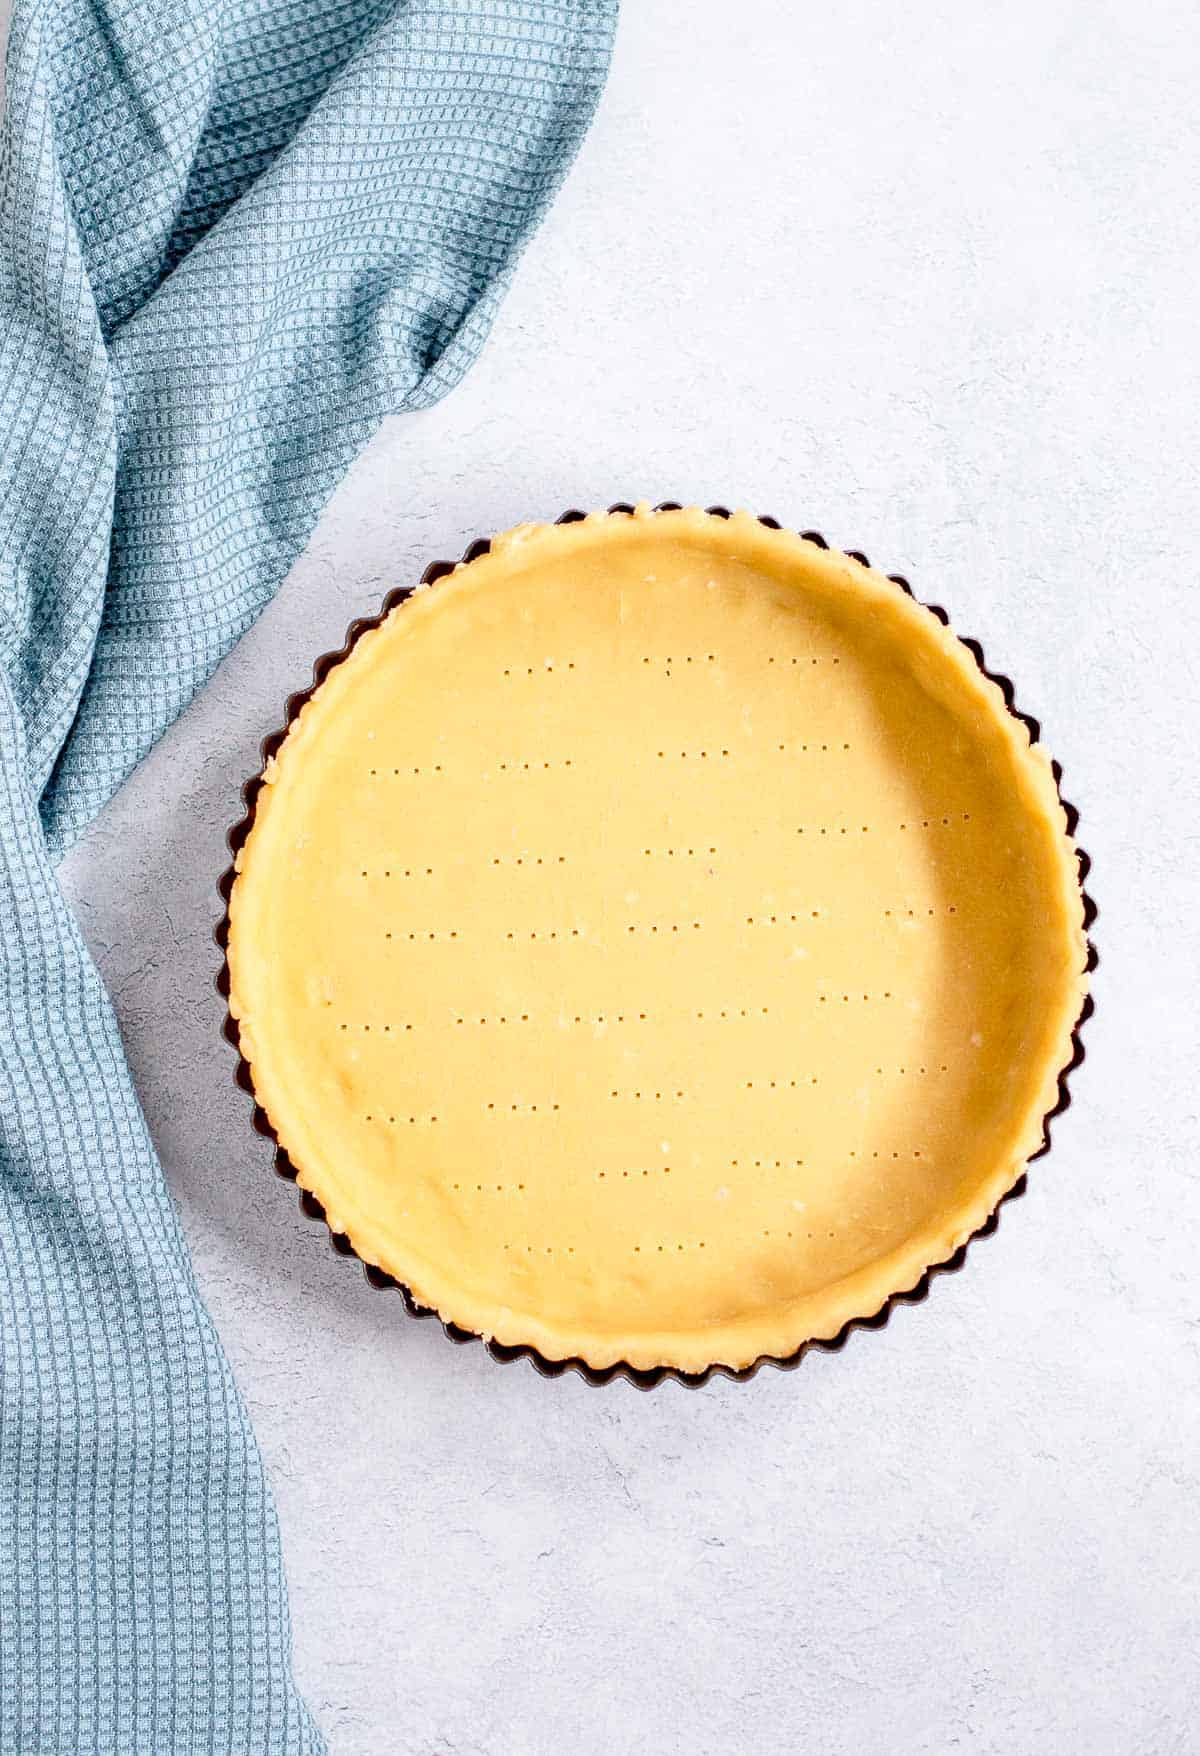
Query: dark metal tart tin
[(383, 1282)]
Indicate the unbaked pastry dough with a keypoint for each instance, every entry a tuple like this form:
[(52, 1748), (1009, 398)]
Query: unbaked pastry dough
[(657, 942)]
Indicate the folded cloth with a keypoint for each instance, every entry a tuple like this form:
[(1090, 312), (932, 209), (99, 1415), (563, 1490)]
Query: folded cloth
[(233, 235)]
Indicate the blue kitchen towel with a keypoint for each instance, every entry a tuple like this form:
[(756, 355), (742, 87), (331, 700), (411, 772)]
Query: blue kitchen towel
[(233, 235)]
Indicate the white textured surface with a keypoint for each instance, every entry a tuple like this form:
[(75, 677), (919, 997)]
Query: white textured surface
[(924, 277)]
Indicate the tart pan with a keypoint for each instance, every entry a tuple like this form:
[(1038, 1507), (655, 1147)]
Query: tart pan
[(377, 1278)]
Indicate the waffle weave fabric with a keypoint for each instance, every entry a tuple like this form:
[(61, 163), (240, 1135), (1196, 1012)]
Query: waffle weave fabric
[(233, 235)]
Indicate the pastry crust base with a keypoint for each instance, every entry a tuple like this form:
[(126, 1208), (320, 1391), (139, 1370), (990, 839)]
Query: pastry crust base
[(634, 1061)]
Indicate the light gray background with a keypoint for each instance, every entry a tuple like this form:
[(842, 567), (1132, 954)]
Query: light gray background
[(924, 277)]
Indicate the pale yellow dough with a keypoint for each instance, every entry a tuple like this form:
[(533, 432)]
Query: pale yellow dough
[(657, 942)]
